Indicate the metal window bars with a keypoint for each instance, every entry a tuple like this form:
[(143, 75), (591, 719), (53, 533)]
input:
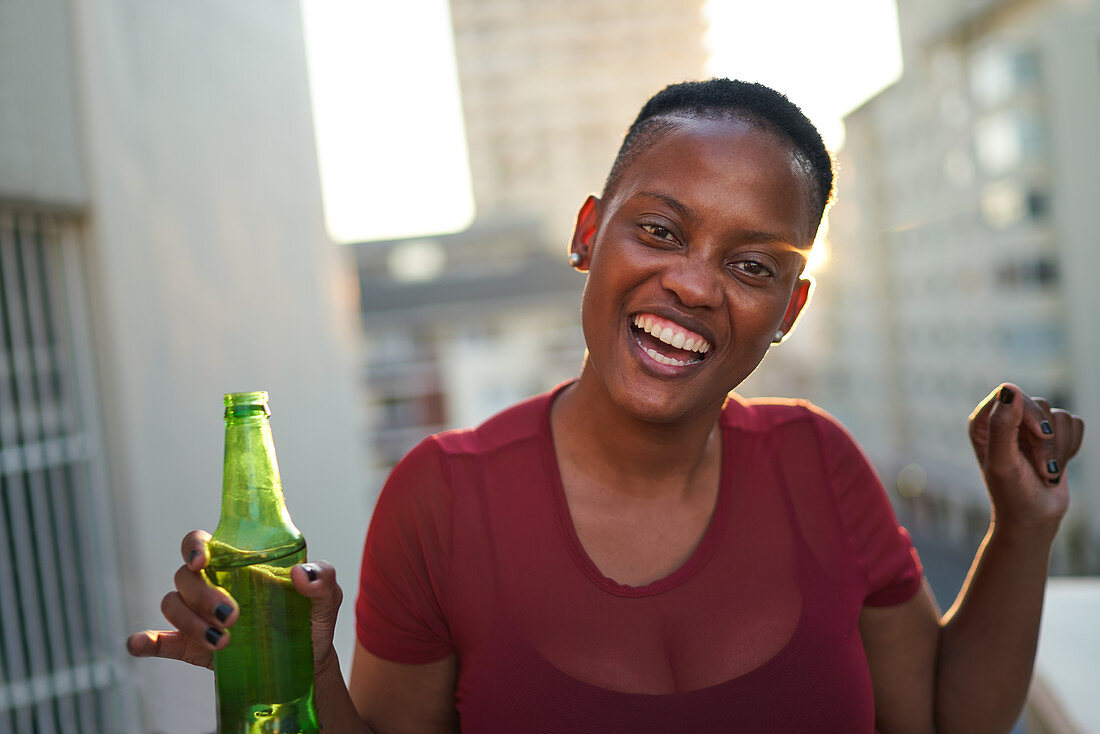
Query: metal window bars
[(61, 670)]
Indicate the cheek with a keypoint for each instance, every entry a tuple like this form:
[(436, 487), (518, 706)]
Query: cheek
[(594, 311), (757, 314)]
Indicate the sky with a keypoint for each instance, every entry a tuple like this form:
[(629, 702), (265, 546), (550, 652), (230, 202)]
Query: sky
[(369, 58)]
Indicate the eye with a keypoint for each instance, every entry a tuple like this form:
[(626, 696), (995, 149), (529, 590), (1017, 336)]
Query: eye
[(754, 268), (658, 232)]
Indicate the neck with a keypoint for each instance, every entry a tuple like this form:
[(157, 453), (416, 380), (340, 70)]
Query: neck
[(627, 454)]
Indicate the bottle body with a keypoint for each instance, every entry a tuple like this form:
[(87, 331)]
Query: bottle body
[(264, 676)]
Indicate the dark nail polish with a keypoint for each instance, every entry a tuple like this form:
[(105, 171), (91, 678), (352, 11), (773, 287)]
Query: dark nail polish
[(1052, 466), (1007, 394), (1045, 428), (213, 635), (222, 612), (311, 572), (1055, 480), (191, 556)]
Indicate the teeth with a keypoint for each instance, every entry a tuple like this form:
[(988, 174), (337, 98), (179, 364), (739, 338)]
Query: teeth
[(672, 336), (658, 357)]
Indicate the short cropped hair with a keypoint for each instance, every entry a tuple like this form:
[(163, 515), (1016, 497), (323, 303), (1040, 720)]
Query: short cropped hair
[(727, 99)]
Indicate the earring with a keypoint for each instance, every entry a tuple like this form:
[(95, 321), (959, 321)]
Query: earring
[(575, 259), (778, 337)]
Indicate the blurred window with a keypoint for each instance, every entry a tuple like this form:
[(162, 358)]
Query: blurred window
[(1040, 272), (1038, 204), (1009, 202), (1037, 340), (60, 667), (1002, 71), (416, 261), (1007, 139), (1003, 204)]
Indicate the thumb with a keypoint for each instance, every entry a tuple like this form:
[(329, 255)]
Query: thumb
[(1004, 432), (317, 581)]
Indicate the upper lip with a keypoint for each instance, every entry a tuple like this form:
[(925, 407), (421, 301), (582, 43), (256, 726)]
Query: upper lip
[(685, 320)]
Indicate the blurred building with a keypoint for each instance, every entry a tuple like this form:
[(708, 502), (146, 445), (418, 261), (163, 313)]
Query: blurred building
[(460, 326), (161, 243), (966, 249), (548, 90)]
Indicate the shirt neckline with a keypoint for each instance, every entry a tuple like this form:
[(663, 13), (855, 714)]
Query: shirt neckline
[(711, 536)]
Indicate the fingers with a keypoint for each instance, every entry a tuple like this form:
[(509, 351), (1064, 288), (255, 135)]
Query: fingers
[(194, 550), (198, 608), (1069, 432), (1077, 435), (317, 581), (200, 611), (1010, 423), (1069, 429), (1039, 440), (168, 644), (1006, 413), (208, 602), (203, 629)]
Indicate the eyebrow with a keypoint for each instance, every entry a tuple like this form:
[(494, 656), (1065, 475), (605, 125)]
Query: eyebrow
[(688, 213), (680, 208)]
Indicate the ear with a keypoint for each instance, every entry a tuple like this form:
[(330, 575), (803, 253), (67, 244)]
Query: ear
[(799, 298), (584, 233)]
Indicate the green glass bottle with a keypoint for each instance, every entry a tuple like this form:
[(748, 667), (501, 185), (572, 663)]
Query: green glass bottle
[(264, 676)]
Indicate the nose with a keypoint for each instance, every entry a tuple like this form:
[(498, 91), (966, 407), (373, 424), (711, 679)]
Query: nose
[(694, 282)]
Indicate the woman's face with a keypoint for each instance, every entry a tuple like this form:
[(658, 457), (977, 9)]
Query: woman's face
[(694, 264)]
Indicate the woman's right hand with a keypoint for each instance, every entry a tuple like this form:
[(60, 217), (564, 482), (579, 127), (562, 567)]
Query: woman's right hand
[(200, 611)]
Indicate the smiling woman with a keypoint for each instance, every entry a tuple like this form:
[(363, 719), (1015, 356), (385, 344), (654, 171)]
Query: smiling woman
[(708, 230), (641, 549)]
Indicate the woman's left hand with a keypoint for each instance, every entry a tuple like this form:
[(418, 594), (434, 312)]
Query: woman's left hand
[(1023, 446)]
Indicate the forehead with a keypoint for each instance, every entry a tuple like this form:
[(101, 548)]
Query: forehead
[(728, 167)]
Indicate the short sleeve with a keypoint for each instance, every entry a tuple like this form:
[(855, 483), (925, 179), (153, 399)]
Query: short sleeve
[(400, 610), (884, 549)]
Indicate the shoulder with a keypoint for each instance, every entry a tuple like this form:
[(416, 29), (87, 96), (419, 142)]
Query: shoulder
[(771, 415), (524, 421), (797, 428), (443, 459)]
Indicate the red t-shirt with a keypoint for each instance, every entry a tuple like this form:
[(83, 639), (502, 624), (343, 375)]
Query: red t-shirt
[(472, 551)]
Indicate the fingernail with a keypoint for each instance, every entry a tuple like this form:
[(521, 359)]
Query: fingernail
[(311, 572), (1045, 428), (222, 612), (1052, 466), (191, 556), (213, 635), (1055, 480), (1007, 393)]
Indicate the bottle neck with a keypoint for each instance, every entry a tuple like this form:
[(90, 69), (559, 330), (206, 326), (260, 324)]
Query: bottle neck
[(254, 515)]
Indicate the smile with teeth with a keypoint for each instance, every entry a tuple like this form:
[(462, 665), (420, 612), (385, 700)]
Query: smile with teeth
[(685, 343)]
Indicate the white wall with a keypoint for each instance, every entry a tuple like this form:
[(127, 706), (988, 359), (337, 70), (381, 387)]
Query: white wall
[(209, 271), (39, 153)]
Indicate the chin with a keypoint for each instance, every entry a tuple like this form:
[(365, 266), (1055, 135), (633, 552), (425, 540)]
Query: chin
[(666, 407)]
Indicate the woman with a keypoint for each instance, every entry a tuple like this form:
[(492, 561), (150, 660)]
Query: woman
[(640, 551)]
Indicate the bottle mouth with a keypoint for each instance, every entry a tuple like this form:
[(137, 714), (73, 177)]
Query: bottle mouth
[(243, 404)]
